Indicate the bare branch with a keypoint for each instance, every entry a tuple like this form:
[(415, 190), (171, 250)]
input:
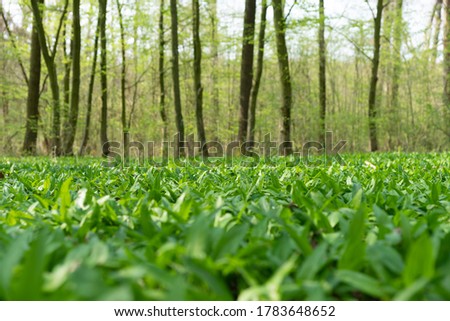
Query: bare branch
[(61, 22), (13, 43)]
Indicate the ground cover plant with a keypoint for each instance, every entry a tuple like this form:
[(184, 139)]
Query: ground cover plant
[(376, 227)]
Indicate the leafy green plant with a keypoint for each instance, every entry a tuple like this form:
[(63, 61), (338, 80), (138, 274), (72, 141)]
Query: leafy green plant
[(71, 229)]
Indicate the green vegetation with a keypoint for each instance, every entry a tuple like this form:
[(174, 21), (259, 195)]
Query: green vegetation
[(376, 227)]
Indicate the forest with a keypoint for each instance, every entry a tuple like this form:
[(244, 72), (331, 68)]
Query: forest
[(294, 150), (78, 75)]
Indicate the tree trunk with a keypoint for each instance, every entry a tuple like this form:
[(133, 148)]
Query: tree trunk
[(53, 78), (374, 79), (162, 84), (447, 70), (176, 78), (322, 72), (437, 29), (31, 130), (75, 94), (125, 129), (246, 67), (198, 88), (396, 70), (215, 97), (285, 75), (7, 148), (103, 80), (258, 74), (90, 91), (66, 83)]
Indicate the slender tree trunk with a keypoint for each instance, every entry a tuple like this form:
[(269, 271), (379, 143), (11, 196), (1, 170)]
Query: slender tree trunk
[(258, 73), (136, 66), (437, 29), (162, 84), (246, 67), (176, 77), (53, 78), (75, 94), (90, 91), (31, 131), (215, 98), (66, 83), (285, 75), (103, 80), (322, 72), (198, 87), (396, 70), (447, 70), (5, 112), (373, 112), (125, 129)]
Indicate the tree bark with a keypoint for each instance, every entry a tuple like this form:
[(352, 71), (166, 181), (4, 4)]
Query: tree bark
[(447, 69), (125, 129), (437, 29), (176, 77), (90, 91), (258, 73), (31, 128), (198, 87), (322, 72), (66, 82), (285, 75), (215, 97), (103, 80), (53, 78), (373, 112), (75, 93), (396, 70), (162, 83), (246, 67)]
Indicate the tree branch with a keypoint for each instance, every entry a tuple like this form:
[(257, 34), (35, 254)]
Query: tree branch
[(61, 22), (13, 43)]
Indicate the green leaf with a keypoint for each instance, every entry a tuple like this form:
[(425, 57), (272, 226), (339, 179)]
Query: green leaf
[(361, 282), (65, 199), (419, 261), (353, 254), (313, 263)]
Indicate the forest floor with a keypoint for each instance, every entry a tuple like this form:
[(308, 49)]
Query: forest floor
[(372, 227)]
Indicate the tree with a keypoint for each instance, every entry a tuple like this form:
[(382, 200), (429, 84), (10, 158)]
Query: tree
[(322, 71), (246, 67), (215, 99), (103, 80), (31, 128), (447, 68), (49, 58), (85, 139), (374, 78), (162, 85), (258, 73), (125, 128), (66, 80), (396, 72), (198, 88), (437, 31), (75, 93), (176, 77), (285, 75)]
